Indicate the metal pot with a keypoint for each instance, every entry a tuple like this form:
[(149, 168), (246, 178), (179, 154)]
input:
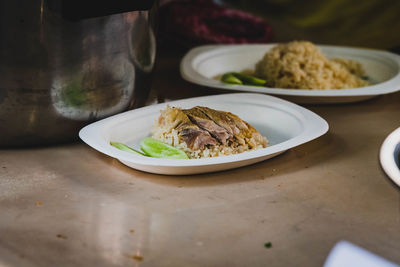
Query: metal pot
[(64, 64)]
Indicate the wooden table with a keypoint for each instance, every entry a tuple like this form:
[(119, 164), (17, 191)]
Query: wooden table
[(70, 205)]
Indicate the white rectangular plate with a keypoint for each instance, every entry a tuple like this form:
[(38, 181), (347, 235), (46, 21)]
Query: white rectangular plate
[(285, 124), (201, 64)]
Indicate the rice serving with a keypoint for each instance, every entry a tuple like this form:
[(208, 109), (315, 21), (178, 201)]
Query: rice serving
[(301, 65), (202, 132)]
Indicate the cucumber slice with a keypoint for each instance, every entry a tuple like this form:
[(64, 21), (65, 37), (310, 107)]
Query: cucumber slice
[(241, 78), (230, 78), (248, 79), (126, 148), (157, 149)]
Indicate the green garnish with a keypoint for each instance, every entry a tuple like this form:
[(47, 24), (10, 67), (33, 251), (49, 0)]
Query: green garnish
[(241, 78), (126, 148), (230, 78), (268, 245), (153, 148), (157, 149), (250, 80)]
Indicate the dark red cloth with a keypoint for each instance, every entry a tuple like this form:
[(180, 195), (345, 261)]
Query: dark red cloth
[(203, 21)]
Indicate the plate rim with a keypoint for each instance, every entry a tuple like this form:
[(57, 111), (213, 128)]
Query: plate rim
[(317, 128), (189, 74), (386, 156)]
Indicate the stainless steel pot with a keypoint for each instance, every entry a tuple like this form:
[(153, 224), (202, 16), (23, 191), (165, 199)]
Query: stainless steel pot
[(64, 64)]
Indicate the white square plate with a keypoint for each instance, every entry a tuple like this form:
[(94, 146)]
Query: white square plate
[(201, 64), (285, 124)]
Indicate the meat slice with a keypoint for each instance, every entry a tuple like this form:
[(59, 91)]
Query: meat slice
[(175, 119), (205, 132), (254, 138), (243, 132), (204, 122), (247, 132), (196, 138), (222, 119)]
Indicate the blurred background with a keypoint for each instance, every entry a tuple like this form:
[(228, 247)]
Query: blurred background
[(369, 23), (62, 67), (184, 24)]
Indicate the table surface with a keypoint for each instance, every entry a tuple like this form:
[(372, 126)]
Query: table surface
[(69, 205)]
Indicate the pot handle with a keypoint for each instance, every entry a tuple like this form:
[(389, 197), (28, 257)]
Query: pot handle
[(83, 9)]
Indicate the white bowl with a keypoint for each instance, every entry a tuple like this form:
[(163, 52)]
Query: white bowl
[(390, 156)]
